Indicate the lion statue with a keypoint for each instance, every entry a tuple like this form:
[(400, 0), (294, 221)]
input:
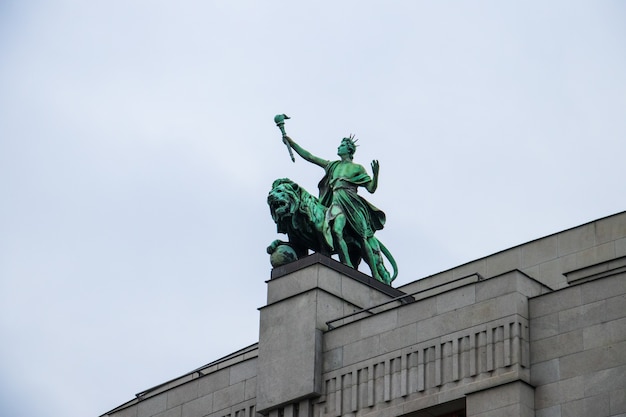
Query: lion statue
[(301, 217)]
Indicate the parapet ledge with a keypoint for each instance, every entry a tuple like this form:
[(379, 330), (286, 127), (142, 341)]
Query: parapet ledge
[(241, 355), (515, 281), (319, 259), (596, 271)]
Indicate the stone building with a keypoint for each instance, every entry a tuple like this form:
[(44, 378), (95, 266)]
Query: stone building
[(535, 330)]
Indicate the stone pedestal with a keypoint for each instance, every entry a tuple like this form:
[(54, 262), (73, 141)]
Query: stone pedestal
[(301, 298)]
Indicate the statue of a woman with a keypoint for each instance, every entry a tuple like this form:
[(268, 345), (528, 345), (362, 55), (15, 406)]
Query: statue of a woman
[(349, 214)]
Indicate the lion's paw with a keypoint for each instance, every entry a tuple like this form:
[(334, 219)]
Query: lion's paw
[(282, 255)]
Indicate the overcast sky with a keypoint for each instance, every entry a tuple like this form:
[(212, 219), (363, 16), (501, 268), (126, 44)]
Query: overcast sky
[(137, 148)]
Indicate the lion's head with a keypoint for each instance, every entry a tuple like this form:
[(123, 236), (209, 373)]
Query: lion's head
[(294, 210), (284, 200)]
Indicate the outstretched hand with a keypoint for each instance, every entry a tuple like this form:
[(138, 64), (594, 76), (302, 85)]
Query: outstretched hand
[(375, 167)]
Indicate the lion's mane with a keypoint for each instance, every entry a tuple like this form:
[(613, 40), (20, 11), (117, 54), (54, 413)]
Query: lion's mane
[(298, 214)]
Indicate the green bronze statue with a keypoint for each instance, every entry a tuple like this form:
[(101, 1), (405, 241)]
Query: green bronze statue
[(340, 221), (279, 119)]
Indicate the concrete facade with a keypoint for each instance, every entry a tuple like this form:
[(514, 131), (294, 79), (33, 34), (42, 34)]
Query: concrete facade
[(535, 330)]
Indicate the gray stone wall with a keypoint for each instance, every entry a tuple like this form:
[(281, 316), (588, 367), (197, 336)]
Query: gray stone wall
[(435, 350), (512, 399), (225, 388), (549, 259), (536, 330), (578, 349)]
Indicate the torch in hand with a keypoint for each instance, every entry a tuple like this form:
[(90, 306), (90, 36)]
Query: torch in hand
[(280, 122)]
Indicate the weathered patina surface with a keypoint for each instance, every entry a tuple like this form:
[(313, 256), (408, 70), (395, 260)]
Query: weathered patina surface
[(340, 221)]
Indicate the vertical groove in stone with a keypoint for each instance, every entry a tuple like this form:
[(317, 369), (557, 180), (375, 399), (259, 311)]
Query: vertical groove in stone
[(404, 374), (448, 362), (464, 357), (379, 382), (338, 395), (498, 347), (362, 394), (524, 346), (331, 394), (412, 377), (387, 381), (438, 364), (395, 371), (489, 349), (421, 372), (472, 354), (481, 346), (288, 411), (506, 344), (370, 386), (304, 409), (316, 409), (429, 364), (354, 390), (455, 359)]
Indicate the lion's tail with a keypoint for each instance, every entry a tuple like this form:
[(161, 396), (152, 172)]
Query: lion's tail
[(391, 260)]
